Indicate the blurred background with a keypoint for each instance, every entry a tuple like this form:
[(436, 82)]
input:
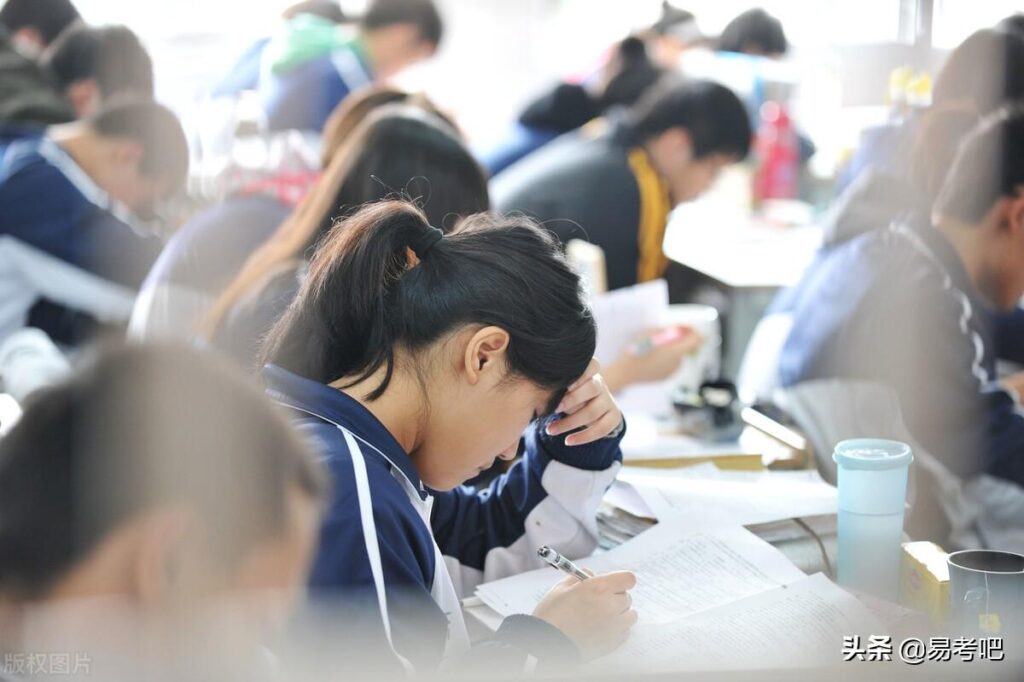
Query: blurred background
[(497, 54)]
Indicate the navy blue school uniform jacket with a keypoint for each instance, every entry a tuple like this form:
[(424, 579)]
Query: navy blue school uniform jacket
[(401, 557), (896, 307), (63, 239)]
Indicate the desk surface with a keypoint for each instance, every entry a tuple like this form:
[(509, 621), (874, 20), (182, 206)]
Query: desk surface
[(737, 250)]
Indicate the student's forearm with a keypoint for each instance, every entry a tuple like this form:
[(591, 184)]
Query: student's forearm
[(616, 375)]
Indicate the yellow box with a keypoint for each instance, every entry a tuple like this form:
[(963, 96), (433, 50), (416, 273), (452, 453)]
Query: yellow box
[(924, 580)]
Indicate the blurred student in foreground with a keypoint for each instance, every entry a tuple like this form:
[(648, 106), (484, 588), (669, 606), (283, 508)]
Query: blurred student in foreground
[(414, 360), (71, 199), (614, 185), (908, 307), (314, 60), (158, 521)]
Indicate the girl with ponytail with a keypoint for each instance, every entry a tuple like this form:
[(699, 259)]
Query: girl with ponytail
[(415, 359)]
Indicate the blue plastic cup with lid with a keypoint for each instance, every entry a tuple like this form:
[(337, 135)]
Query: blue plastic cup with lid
[(872, 475)]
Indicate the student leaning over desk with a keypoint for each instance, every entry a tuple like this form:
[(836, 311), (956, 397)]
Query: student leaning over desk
[(614, 182), (414, 361)]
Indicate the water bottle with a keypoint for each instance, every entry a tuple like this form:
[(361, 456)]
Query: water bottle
[(872, 495)]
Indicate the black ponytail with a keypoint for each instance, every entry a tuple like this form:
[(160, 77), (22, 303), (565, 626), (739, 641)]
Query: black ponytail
[(367, 294)]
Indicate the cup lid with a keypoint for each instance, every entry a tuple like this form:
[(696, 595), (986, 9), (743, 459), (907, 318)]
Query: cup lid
[(873, 454)]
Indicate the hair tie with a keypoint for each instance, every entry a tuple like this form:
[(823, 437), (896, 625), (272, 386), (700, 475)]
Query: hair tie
[(426, 241)]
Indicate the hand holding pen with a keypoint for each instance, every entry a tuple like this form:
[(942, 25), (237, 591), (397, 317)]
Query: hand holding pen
[(556, 560), (594, 611)]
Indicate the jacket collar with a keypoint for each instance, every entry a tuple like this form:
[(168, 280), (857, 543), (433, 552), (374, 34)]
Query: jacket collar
[(30, 149), (331, 405), (934, 244)]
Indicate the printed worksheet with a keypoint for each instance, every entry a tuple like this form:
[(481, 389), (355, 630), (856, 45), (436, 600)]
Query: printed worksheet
[(798, 625), (680, 571)]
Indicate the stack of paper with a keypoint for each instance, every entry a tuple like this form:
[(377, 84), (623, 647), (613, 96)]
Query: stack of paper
[(707, 496), (615, 526)]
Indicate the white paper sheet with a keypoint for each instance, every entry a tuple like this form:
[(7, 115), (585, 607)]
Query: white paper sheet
[(624, 313), (679, 572), (733, 496), (799, 625), (625, 497), (703, 470)]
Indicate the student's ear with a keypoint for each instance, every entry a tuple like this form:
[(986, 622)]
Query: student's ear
[(423, 50), (84, 96), (161, 549), (677, 145), (485, 354), (1015, 216), (128, 153)]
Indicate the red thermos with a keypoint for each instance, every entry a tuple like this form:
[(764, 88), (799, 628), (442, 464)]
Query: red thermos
[(778, 153)]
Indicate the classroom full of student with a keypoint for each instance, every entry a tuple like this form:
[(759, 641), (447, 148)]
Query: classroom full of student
[(299, 371)]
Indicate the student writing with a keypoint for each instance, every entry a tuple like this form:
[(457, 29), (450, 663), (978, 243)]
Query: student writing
[(414, 360)]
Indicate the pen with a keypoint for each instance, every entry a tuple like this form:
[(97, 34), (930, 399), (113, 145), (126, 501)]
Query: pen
[(659, 338), (561, 563)]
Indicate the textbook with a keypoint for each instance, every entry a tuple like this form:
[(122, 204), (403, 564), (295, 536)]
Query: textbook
[(702, 595)]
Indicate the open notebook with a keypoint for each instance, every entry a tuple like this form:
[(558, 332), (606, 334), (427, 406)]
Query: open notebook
[(703, 596)]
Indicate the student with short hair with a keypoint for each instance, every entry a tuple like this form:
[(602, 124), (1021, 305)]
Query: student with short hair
[(153, 501), (415, 360), (71, 197), (312, 62), (909, 307), (675, 31), (900, 168), (615, 186), (94, 63), (29, 97), (34, 24), (754, 32)]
